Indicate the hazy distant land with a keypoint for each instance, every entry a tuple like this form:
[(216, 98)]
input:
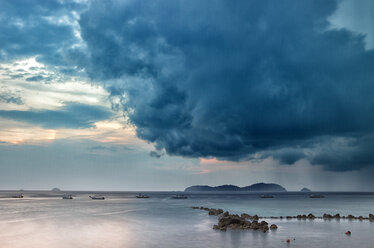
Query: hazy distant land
[(258, 187)]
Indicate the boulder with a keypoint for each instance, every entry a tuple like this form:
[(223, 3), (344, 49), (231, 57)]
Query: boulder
[(327, 216), (311, 216), (273, 227), (214, 211), (246, 216)]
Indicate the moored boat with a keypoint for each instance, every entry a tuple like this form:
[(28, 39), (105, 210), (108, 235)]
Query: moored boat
[(67, 197), (140, 195), (97, 197), (17, 196), (316, 196), (179, 197), (266, 196)]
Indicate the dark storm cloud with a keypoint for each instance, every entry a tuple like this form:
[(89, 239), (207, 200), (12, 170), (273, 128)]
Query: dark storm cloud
[(235, 79), (73, 115)]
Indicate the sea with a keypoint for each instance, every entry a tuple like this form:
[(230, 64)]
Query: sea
[(44, 220)]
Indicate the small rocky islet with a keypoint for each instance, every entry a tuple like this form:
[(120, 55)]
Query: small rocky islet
[(251, 222), (236, 222)]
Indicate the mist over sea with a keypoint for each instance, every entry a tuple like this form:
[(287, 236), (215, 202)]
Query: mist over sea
[(44, 219)]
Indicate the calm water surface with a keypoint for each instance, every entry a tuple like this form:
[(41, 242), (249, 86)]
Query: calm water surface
[(45, 220)]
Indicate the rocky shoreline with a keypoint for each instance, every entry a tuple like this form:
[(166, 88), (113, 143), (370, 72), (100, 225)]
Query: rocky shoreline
[(251, 222)]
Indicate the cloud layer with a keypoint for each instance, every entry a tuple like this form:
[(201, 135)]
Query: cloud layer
[(236, 81)]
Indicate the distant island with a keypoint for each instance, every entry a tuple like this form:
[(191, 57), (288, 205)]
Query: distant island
[(305, 190), (254, 187), (55, 190)]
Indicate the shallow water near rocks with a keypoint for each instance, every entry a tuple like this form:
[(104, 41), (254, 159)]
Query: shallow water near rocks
[(43, 219)]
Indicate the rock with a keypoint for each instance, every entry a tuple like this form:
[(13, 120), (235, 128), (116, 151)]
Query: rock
[(215, 227), (264, 228), (371, 216), (327, 216), (214, 211), (246, 216), (254, 217), (273, 227), (337, 216), (311, 216), (195, 207), (350, 216)]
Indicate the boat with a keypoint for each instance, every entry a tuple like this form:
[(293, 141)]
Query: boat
[(141, 196), (97, 197), (17, 196), (266, 196), (179, 197), (316, 196), (67, 197)]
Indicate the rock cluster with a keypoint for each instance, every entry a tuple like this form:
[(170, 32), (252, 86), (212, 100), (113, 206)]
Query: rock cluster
[(329, 216), (246, 221), (309, 216), (235, 222), (350, 217), (214, 211)]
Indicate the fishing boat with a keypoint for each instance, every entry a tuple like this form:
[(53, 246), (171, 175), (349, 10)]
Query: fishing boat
[(179, 197), (266, 196), (317, 196), (97, 197), (17, 196), (141, 196), (67, 197)]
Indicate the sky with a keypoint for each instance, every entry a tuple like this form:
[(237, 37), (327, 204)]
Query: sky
[(164, 94)]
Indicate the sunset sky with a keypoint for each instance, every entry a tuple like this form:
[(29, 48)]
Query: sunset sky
[(164, 94)]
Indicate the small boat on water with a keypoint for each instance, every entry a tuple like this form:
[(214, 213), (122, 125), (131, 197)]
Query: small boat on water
[(67, 197), (266, 196), (17, 196), (316, 196), (141, 196), (179, 197), (97, 197)]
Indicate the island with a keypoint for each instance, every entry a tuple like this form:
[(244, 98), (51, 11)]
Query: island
[(257, 187), (305, 190)]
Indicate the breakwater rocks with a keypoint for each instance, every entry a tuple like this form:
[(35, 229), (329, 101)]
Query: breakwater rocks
[(251, 222), (236, 222)]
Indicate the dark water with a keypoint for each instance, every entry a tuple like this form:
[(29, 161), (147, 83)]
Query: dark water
[(43, 219)]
